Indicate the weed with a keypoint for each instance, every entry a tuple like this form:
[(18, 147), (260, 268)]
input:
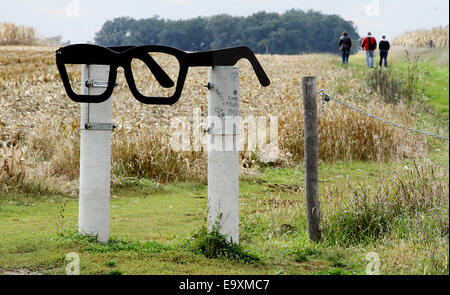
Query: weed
[(26, 247), (335, 271), (412, 77), (303, 254), (115, 272), (62, 206), (91, 244), (387, 84), (394, 85), (255, 226), (122, 182), (116, 245), (215, 245), (415, 196), (110, 263), (148, 154), (336, 258), (280, 271)]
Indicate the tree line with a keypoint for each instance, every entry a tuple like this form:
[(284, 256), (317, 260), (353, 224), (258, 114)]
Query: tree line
[(292, 32)]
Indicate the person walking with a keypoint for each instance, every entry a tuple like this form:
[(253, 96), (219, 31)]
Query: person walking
[(345, 44), (369, 44), (384, 47)]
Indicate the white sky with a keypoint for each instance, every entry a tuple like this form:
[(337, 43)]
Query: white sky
[(79, 20)]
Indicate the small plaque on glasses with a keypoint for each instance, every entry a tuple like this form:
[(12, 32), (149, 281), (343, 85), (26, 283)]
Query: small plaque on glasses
[(100, 83)]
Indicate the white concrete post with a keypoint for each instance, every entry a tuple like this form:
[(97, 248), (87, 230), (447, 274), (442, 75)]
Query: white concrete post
[(95, 157), (223, 146)]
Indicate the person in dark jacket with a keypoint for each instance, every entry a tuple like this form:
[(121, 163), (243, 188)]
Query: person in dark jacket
[(345, 44), (384, 47), (369, 44)]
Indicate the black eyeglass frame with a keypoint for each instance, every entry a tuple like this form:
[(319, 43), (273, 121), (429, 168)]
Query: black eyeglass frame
[(122, 56)]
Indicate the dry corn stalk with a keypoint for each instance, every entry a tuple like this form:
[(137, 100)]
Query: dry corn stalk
[(421, 38), (12, 163), (11, 34), (36, 114)]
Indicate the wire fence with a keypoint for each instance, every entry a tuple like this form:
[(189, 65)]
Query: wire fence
[(326, 98)]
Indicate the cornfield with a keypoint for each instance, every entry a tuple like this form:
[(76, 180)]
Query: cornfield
[(11, 34), (37, 117), (421, 38)]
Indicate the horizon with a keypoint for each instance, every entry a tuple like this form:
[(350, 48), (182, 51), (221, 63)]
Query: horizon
[(76, 23)]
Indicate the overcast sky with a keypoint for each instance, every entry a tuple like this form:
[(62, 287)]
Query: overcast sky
[(79, 20)]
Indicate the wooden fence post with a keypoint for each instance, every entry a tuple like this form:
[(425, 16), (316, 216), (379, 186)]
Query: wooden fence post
[(311, 158)]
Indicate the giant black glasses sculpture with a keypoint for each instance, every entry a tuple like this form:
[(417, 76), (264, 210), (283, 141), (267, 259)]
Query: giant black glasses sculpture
[(123, 56)]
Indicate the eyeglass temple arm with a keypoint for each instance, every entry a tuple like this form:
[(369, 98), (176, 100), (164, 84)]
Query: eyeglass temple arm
[(160, 75), (228, 57)]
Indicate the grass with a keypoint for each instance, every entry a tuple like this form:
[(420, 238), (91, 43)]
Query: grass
[(369, 215), (163, 231), (431, 74), (215, 245), (432, 84), (389, 198)]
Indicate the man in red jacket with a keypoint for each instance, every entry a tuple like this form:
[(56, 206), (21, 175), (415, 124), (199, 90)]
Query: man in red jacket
[(369, 44)]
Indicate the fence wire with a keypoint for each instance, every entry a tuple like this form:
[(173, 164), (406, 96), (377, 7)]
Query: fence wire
[(326, 98)]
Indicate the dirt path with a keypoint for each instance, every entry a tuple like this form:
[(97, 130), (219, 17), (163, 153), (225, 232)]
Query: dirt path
[(20, 272)]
